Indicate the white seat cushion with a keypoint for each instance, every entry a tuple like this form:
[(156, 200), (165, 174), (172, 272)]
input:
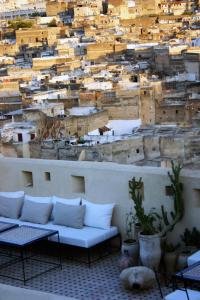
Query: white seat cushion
[(85, 237), (181, 295), (192, 259)]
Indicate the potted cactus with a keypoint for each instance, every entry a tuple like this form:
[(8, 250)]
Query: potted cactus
[(170, 258), (149, 239), (177, 189), (153, 225)]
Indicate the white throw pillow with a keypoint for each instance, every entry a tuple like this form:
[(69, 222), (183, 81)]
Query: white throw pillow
[(98, 215), (38, 199), (12, 194)]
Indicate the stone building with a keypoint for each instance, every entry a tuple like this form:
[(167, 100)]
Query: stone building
[(98, 50), (150, 97), (62, 127), (37, 36), (8, 49), (121, 9), (192, 63), (54, 8), (177, 7), (147, 7), (150, 146), (10, 100), (162, 60), (48, 62)]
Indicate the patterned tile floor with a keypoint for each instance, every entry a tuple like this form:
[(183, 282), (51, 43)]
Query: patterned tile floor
[(99, 282)]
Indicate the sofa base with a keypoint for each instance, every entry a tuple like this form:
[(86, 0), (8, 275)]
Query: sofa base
[(101, 247), (100, 250)]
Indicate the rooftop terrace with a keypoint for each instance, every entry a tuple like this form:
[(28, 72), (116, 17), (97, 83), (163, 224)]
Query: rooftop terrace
[(99, 282), (101, 183)]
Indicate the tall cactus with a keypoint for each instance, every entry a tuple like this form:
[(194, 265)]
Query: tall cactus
[(145, 219), (177, 189)]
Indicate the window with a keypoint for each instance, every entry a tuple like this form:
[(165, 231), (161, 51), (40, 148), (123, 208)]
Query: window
[(32, 136), (196, 193), (168, 190), (27, 178), (78, 184), (110, 94), (20, 137), (47, 176)]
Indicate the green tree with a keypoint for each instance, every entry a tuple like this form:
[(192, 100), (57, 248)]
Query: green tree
[(20, 23), (52, 23)]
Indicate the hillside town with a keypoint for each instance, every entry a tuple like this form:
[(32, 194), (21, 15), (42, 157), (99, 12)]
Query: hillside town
[(114, 80)]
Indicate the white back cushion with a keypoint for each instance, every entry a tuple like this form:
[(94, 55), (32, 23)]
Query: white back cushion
[(73, 201), (12, 194), (98, 215), (38, 199)]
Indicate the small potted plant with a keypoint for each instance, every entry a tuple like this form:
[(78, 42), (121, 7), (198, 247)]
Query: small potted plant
[(170, 257), (191, 241), (130, 245)]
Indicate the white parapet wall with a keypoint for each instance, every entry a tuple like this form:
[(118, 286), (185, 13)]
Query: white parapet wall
[(101, 183)]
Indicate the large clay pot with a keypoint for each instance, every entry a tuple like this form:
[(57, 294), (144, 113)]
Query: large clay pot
[(170, 260), (137, 229), (163, 240), (183, 256), (125, 261), (150, 250), (131, 247)]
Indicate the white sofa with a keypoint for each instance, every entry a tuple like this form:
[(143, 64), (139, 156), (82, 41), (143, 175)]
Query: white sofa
[(46, 212), (86, 237)]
